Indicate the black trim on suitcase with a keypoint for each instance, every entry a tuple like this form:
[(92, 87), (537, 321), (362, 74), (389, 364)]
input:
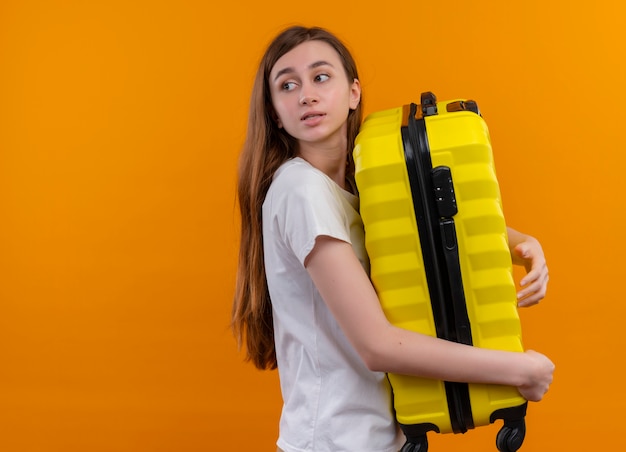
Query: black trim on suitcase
[(433, 194), (445, 200)]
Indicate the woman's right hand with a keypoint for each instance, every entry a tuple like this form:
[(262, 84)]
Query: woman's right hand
[(540, 374)]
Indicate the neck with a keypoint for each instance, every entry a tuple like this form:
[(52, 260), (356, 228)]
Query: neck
[(333, 164)]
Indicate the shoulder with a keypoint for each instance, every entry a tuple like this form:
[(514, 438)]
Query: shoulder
[(297, 172), (299, 190), (296, 178)]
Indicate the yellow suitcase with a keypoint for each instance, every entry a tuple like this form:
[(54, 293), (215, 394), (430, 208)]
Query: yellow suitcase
[(437, 242)]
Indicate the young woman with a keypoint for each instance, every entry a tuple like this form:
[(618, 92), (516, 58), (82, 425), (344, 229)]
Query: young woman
[(304, 302)]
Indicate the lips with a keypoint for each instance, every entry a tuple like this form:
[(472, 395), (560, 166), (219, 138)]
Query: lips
[(311, 115)]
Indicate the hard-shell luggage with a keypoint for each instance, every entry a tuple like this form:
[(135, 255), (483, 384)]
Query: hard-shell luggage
[(440, 262)]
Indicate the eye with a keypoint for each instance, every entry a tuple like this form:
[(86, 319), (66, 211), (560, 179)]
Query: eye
[(322, 77), (288, 86)]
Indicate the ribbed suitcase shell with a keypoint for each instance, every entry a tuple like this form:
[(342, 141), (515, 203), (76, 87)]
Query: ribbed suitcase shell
[(459, 140)]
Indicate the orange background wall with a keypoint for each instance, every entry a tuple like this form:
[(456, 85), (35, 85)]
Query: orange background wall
[(120, 124)]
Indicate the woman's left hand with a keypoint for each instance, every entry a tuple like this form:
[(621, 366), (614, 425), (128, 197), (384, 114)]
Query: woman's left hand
[(529, 253)]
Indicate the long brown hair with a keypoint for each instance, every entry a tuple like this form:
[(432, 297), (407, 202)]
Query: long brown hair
[(266, 147)]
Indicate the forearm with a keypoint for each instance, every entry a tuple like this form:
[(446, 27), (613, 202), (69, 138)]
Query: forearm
[(405, 352)]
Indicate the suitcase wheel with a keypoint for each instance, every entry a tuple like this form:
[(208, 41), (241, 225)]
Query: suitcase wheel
[(511, 436), (416, 444)]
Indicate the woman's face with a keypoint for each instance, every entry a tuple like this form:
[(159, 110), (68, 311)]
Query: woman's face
[(312, 95)]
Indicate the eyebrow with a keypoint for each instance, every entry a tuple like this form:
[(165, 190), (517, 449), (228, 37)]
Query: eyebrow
[(289, 70)]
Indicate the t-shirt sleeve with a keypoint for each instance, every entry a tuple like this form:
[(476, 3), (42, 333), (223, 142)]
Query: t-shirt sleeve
[(306, 210)]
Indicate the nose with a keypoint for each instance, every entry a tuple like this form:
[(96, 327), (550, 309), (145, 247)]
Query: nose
[(308, 96), (308, 100)]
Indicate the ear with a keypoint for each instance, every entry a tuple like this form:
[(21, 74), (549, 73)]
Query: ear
[(355, 94), (276, 119)]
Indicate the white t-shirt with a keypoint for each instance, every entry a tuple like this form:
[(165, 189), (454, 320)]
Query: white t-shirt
[(332, 402)]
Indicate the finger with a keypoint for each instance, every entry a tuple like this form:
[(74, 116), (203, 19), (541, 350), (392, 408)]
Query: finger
[(530, 278), (529, 301), (538, 272), (533, 293)]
